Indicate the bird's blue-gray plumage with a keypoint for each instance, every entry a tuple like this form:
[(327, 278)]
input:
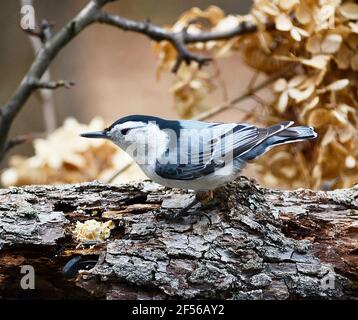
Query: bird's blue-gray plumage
[(247, 143), (195, 154)]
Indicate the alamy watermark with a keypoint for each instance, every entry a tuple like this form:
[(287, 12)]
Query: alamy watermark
[(328, 281), (27, 281), (213, 146), (28, 21)]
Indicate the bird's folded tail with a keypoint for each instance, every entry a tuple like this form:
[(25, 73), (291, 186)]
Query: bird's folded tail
[(280, 134), (292, 134)]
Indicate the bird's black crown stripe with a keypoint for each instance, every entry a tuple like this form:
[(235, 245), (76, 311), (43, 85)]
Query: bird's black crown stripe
[(163, 124)]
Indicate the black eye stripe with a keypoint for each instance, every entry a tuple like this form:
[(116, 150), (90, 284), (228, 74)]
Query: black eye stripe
[(125, 131)]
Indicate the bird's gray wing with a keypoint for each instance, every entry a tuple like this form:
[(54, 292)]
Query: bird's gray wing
[(213, 150)]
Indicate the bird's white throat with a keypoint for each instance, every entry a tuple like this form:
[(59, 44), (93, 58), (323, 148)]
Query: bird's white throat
[(145, 144)]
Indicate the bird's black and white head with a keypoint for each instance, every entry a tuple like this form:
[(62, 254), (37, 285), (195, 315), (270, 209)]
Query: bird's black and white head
[(135, 131)]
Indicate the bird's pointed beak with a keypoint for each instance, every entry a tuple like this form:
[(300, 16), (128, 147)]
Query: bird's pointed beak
[(95, 134)]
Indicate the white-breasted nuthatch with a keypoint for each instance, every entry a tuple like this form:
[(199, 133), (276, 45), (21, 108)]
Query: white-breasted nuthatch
[(196, 155)]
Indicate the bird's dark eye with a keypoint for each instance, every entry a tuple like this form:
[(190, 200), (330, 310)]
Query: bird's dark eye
[(124, 131)]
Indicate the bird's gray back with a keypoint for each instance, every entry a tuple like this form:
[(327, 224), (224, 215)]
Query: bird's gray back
[(201, 148)]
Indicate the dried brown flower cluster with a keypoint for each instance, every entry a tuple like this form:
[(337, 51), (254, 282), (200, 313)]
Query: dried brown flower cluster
[(194, 84), (65, 157), (316, 42)]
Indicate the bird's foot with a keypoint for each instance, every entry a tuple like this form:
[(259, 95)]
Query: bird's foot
[(174, 213)]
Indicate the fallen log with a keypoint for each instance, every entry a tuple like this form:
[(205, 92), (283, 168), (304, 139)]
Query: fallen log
[(250, 243)]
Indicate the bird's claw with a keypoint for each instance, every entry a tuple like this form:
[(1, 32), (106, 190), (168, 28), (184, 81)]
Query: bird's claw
[(176, 214)]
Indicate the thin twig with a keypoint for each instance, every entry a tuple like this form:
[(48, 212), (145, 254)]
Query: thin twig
[(53, 84), (117, 173), (221, 82), (21, 139), (209, 113), (259, 100), (253, 80)]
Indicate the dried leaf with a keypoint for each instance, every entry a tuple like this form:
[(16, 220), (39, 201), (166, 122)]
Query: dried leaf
[(283, 22), (280, 85), (228, 23), (354, 62), (282, 102), (331, 43), (269, 8), (338, 85), (318, 62), (353, 26), (313, 44), (350, 162), (303, 13), (349, 10), (288, 5), (301, 95), (319, 117)]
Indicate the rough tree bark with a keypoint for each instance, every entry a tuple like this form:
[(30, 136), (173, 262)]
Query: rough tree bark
[(252, 243)]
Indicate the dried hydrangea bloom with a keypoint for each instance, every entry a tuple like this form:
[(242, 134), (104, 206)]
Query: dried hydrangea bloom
[(317, 41), (192, 86), (299, 88), (65, 157)]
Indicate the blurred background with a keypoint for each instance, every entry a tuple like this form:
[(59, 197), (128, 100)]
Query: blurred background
[(310, 59), (114, 71)]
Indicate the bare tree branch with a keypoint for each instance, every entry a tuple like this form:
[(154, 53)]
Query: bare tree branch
[(45, 55), (52, 84), (37, 39), (178, 39), (21, 139), (90, 14)]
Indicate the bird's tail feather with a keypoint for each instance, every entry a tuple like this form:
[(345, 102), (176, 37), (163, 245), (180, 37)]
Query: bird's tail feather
[(280, 134), (293, 134)]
